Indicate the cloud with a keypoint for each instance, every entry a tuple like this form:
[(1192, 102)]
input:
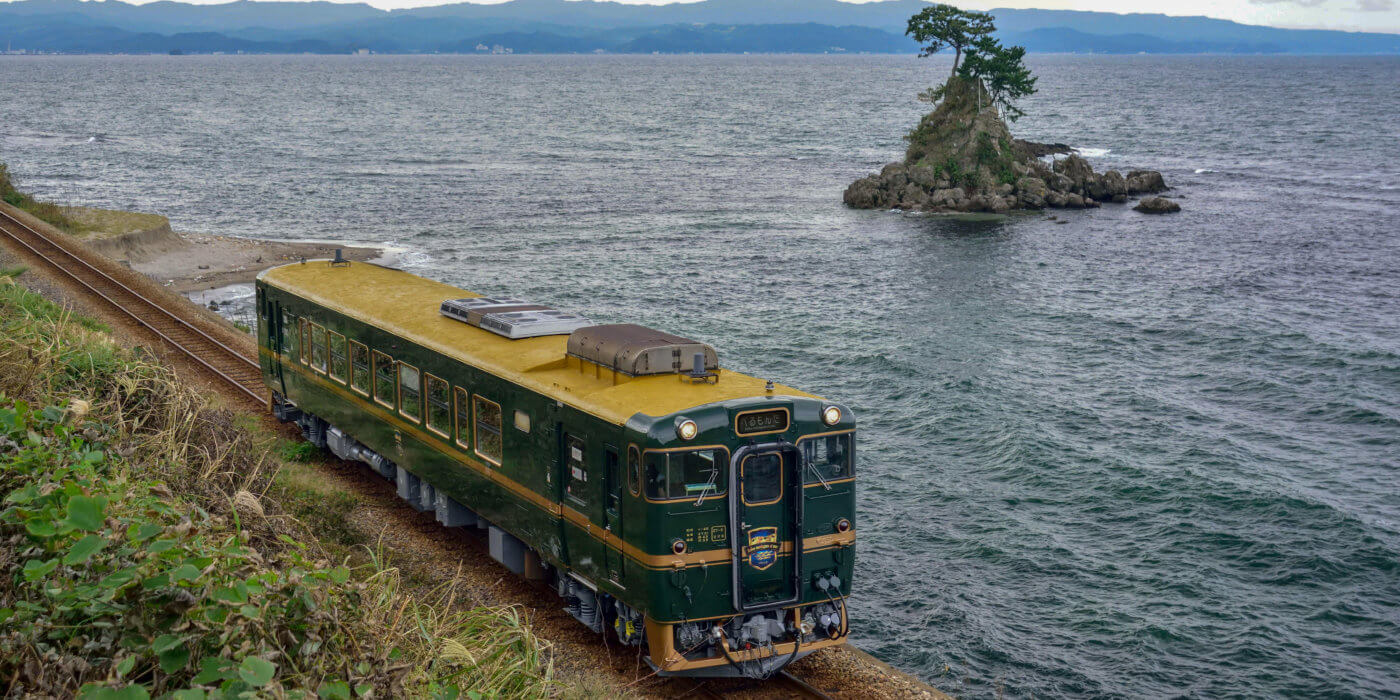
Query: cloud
[(1375, 5), (1302, 3)]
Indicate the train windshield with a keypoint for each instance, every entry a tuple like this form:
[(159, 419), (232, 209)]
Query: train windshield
[(828, 457), (695, 474)]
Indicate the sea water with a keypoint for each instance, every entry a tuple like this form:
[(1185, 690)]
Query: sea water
[(1102, 453)]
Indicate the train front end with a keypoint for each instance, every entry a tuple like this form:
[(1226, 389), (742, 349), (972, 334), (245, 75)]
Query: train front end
[(751, 504)]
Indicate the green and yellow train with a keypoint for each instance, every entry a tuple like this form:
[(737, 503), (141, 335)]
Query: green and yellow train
[(697, 512)]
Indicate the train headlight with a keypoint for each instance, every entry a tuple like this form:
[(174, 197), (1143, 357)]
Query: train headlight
[(686, 429), (831, 415), (843, 525), (678, 546)]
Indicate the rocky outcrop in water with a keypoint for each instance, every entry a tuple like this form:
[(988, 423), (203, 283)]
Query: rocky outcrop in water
[(1157, 205), (963, 158)]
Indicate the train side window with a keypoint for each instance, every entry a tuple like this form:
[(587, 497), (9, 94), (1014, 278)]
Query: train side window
[(439, 405), (318, 348), (487, 429), (359, 367), (828, 457), (338, 359), (577, 484), (522, 421), (384, 380), (634, 470), (305, 342), (463, 417), (410, 392), (695, 474)]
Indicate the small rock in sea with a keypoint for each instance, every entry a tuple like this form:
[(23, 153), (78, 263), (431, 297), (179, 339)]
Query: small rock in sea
[(213, 306), (1061, 221), (1157, 205), (204, 267)]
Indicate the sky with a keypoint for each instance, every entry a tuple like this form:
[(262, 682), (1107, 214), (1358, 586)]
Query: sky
[(1355, 15)]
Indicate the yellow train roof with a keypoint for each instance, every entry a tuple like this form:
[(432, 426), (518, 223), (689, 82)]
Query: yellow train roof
[(407, 305)]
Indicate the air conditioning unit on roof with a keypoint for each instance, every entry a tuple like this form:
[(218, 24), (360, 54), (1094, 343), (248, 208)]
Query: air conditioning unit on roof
[(513, 318)]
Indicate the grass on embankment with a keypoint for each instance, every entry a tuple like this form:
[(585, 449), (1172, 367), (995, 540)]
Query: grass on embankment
[(150, 551), (47, 211)]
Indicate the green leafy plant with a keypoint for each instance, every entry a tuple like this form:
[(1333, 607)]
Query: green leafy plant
[(147, 557)]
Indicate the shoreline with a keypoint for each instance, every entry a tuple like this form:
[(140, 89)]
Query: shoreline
[(195, 262)]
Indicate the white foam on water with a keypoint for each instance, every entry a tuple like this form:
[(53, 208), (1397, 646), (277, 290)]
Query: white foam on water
[(1202, 171), (1093, 152)]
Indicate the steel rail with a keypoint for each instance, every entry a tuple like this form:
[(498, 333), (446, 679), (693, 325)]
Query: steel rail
[(802, 686), (239, 358)]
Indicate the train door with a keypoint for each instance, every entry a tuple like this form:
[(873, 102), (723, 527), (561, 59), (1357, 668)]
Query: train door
[(765, 500), (612, 511), (583, 505), (276, 339)]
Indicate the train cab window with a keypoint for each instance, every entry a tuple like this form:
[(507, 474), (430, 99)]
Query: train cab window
[(410, 392), (463, 417), (318, 348), (761, 478), (305, 342), (522, 421), (487, 429), (359, 368), (634, 470), (439, 405), (828, 457), (696, 475), (338, 359), (577, 483), (384, 380)]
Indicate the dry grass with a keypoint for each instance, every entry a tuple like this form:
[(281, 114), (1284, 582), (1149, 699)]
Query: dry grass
[(105, 223), (243, 597)]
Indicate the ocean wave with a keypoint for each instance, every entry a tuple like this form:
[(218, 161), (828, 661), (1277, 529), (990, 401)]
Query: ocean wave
[(1093, 152), (1202, 171)]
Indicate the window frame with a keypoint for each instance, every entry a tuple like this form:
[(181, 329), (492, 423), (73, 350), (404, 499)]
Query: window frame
[(369, 368), (851, 474), (460, 394), (428, 379), (344, 376), (305, 345), (398, 391), (476, 425), (374, 378), (319, 331), (722, 483), (782, 479)]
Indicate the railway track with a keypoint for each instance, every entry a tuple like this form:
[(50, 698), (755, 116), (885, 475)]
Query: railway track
[(782, 682), (239, 371)]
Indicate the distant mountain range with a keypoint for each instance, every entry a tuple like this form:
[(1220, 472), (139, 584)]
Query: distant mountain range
[(583, 26)]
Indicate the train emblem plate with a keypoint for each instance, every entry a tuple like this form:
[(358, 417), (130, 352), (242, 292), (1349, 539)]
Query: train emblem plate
[(762, 550)]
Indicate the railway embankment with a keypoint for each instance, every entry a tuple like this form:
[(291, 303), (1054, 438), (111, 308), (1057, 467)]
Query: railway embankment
[(154, 544)]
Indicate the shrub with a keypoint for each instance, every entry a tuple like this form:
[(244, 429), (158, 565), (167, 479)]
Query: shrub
[(143, 562)]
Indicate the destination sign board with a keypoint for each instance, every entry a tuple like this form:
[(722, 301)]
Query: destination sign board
[(772, 421)]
